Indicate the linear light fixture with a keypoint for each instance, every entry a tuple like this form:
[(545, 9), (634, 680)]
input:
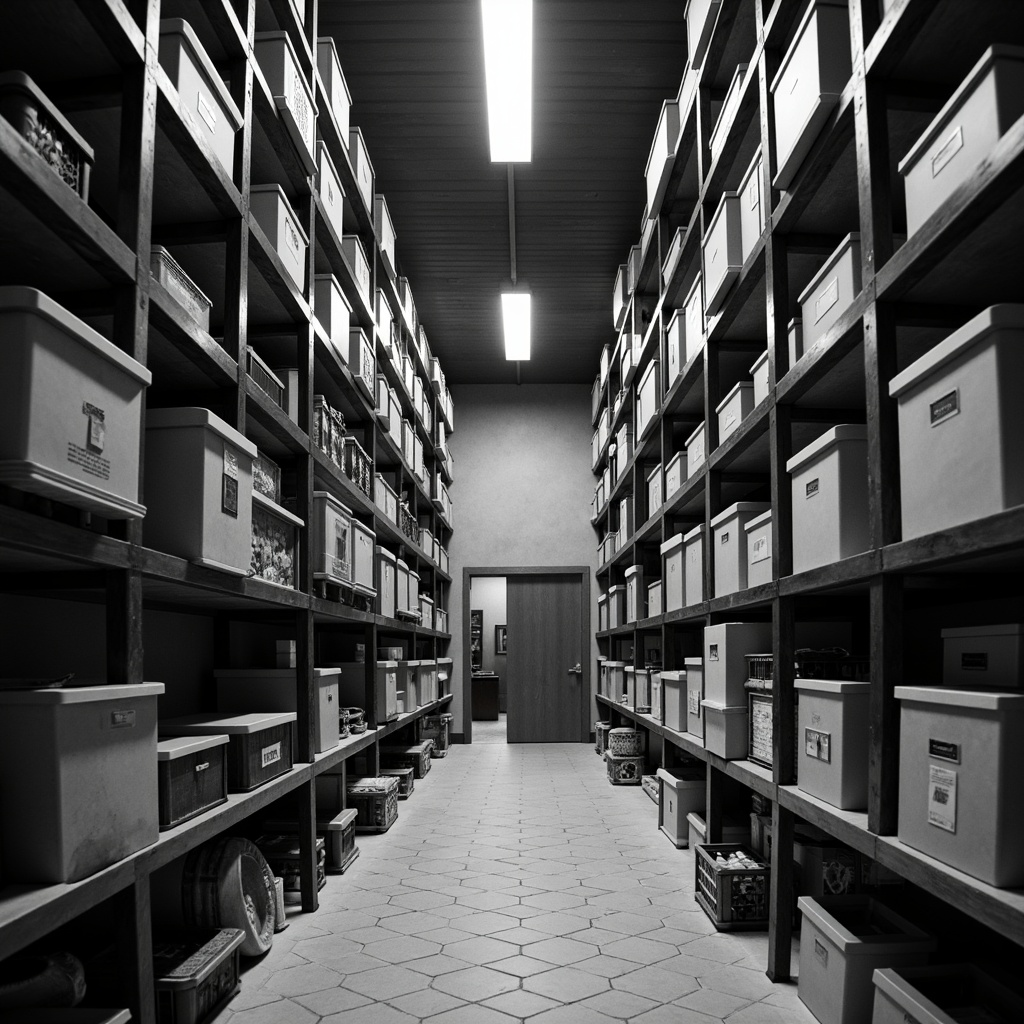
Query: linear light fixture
[(508, 64), (515, 316)]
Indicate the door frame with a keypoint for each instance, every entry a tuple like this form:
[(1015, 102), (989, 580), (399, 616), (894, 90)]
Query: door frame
[(581, 571)]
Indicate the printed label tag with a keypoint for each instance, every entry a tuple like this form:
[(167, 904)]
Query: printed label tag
[(230, 462), (821, 952), (760, 551), (122, 719), (818, 744), (268, 755), (942, 798), (712, 652), (974, 661), (97, 429), (943, 408), (827, 299), (725, 538), (947, 151), (293, 236), (811, 489), (229, 483), (693, 702), (206, 112), (944, 750)]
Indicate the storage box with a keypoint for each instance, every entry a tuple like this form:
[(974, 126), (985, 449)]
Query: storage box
[(733, 893), (620, 297), (616, 607), (634, 593), (725, 730), (795, 336), (723, 252), (601, 730), (759, 549), (983, 656), (693, 565), (726, 646), (72, 411), (264, 378), (842, 940), (355, 255), (260, 748), (199, 486), (648, 398), (693, 309), (65, 753), (729, 529), (963, 133), (759, 373), (675, 473), (335, 86), (375, 800), (673, 696), (385, 229), (662, 156), (415, 756), (673, 573), (386, 572), (437, 729), (352, 686), (616, 679), (331, 538), (364, 543), (727, 112), (678, 797), (960, 423), (283, 857), (406, 780), (337, 833), (808, 84), (203, 98), (675, 251), (194, 977), (330, 190), (961, 762), (694, 696), (654, 604), (752, 208), (654, 490), (602, 608), (274, 553), (700, 22), (675, 342), (833, 741), (830, 497), (168, 272), (387, 330), (357, 464), (290, 88), (624, 771), (735, 408), (831, 291), (945, 994), (271, 210), (695, 451), (385, 498), (732, 832), (192, 776)]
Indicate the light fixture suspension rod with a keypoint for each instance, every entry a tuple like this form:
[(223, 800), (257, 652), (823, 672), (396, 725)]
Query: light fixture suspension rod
[(512, 222)]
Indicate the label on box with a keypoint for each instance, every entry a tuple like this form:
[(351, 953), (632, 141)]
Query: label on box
[(269, 755), (725, 537), (122, 719), (760, 550), (942, 797), (87, 457), (974, 661), (761, 730), (945, 751), (97, 427), (206, 112), (827, 299), (821, 952), (811, 489), (947, 151), (693, 702), (943, 408), (818, 745)]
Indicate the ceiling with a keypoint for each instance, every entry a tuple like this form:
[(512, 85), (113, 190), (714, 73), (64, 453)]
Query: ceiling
[(601, 71)]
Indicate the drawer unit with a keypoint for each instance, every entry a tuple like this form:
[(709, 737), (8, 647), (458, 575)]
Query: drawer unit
[(386, 572), (727, 113), (361, 166), (260, 748), (166, 269), (355, 255), (675, 473), (695, 452), (385, 229), (333, 312), (830, 497), (662, 156), (701, 16), (375, 801), (193, 977), (725, 729), (331, 539), (673, 573), (694, 697), (726, 646), (274, 554), (364, 543), (203, 98), (729, 531), (809, 82), (693, 565), (960, 424), (832, 741), (270, 209), (680, 795), (693, 310), (290, 89), (759, 373), (961, 762), (335, 86), (945, 994), (624, 771), (752, 207), (983, 656), (831, 291), (192, 776), (673, 697), (654, 603), (983, 108), (759, 549), (71, 418), (737, 405), (723, 252), (654, 491), (199, 485), (634, 593), (648, 397), (616, 607)]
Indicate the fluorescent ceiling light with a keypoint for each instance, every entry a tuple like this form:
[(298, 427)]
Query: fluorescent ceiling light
[(515, 315), (508, 62)]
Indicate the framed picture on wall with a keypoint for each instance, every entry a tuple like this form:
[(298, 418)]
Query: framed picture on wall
[(501, 639)]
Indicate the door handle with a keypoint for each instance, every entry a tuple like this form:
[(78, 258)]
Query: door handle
[(577, 669)]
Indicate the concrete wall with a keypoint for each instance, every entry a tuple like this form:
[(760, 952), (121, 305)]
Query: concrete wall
[(522, 493)]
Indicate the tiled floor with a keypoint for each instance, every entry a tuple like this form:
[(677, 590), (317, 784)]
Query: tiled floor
[(517, 884), (491, 732)]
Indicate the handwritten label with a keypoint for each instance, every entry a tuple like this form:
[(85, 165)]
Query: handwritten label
[(760, 550)]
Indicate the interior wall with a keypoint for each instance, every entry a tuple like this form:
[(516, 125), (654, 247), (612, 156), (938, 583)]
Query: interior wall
[(522, 492), (488, 594)]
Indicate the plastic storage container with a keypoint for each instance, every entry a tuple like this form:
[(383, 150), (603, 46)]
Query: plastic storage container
[(945, 994), (735, 408), (693, 564), (675, 251), (725, 729), (71, 417), (271, 210), (292, 96), (729, 531), (616, 679), (734, 894), (726, 647), (675, 473), (983, 656), (654, 604), (386, 573), (192, 774), (752, 211), (759, 373), (194, 977), (331, 539), (693, 308), (375, 801), (335, 86), (759, 549), (723, 252), (678, 797), (616, 607), (635, 593), (673, 696), (831, 291), (694, 696), (385, 229), (66, 754), (727, 112)]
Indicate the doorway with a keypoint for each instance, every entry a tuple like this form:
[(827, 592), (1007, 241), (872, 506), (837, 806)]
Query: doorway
[(540, 686)]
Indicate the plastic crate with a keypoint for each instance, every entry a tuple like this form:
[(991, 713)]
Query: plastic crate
[(735, 898), (358, 466), (264, 377), (166, 269), (194, 977)]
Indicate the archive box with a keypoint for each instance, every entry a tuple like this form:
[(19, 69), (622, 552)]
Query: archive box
[(65, 755), (271, 210), (620, 297), (693, 308), (331, 539), (28, 110), (726, 646), (700, 23), (675, 473), (631, 695), (386, 572), (679, 795), (654, 490), (662, 156), (695, 451), (961, 762), (357, 464), (759, 549), (723, 252), (616, 679), (335, 86), (727, 112), (694, 696), (809, 82), (415, 756), (675, 251), (426, 612), (408, 682), (983, 656), (673, 573), (842, 940), (657, 706), (737, 405), (654, 605), (203, 98), (616, 606), (275, 542), (192, 776), (364, 543), (602, 608), (260, 747), (385, 229), (413, 599), (355, 255), (169, 273), (330, 190), (725, 729), (752, 211), (693, 565), (402, 606), (960, 424), (290, 89), (732, 832), (730, 539), (648, 397), (759, 373), (984, 107), (832, 741), (634, 593), (944, 994), (352, 686), (406, 780), (375, 801), (71, 417), (385, 498), (673, 696), (276, 689), (831, 291), (675, 342), (387, 331), (427, 674), (830, 497), (625, 770), (199, 487), (732, 887), (194, 976)]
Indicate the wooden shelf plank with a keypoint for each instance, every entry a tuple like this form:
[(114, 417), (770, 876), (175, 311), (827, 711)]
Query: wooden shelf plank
[(982, 538), (850, 827)]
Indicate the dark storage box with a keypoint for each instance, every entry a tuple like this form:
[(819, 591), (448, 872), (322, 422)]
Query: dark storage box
[(192, 773), (406, 780), (338, 834), (195, 977), (375, 801), (416, 757), (282, 854)]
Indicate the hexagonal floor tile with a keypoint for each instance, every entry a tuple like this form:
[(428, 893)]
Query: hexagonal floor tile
[(386, 982), (566, 984), (476, 983), (396, 951)]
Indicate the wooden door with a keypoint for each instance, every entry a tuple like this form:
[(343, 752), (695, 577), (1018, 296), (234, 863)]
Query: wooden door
[(546, 703)]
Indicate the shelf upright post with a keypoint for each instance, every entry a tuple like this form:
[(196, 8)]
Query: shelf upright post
[(134, 948)]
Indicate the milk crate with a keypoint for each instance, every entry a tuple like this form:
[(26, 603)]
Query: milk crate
[(735, 898), (375, 800), (194, 977)]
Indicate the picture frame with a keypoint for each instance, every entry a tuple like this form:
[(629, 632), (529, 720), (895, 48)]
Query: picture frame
[(501, 639)]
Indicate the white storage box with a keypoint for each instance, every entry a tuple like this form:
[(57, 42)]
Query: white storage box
[(729, 530), (361, 361), (675, 473), (271, 211), (700, 22), (602, 604), (199, 488), (752, 208), (648, 398), (166, 269), (983, 656), (983, 108), (675, 251), (385, 229), (203, 98), (832, 741), (71, 417), (657, 708), (385, 498), (673, 573), (355, 256), (944, 994), (961, 762), (830, 497), (655, 498), (78, 779), (634, 593), (695, 451), (332, 311), (654, 605), (291, 92), (726, 647), (616, 607), (831, 291), (361, 166), (384, 319), (675, 341), (620, 297), (725, 730), (335, 86), (723, 252), (662, 156), (616, 679), (330, 191), (732, 832), (842, 940), (809, 82), (386, 571), (759, 372), (693, 309), (364, 543), (727, 113), (759, 549), (694, 696), (673, 696), (795, 337), (678, 797), (735, 408), (331, 538), (352, 686), (693, 565), (961, 420)]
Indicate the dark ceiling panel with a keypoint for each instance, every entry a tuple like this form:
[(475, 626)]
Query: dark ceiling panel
[(601, 71)]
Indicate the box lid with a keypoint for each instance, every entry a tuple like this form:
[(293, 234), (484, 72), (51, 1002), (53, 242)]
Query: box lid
[(81, 694), (804, 21), (672, 675), (357, 142), (699, 432), (330, 499), (676, 460), (409, 664), (1008, 629), (852, 240), (981, 700), (163, 419), (284, 674), (234, 725), (614, 664), (678, 782), (758, 521), (738, 509), (325, 44), (633, 570), (630, 670), (833, 686), (672, 544), (654, 473), (180, 746), (602, 597), (656, 585), (388, 556), (1005, 316), (725, 709), (743, 385), (272, 506), (180, 27), (759, 362), (695, 533), (837, 435), (615, 589), (693, 663)]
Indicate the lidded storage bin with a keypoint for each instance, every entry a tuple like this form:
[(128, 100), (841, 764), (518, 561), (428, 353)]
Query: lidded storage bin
[(71, 418), (694, 697), (166, 269), (331, 539), (725, 729), (635, 593), (983, 656), (192, 774), (759, 549), (726, 647), (693, 564), (759, 373), (361, 166), (831, 291), (723, 252), (330, 190), (673, 696), (335, 86), (624, 771), (735, 408), (695, 451), (945, 994), (727, 112), (616, 607), (673, 573), (291, 92), (693, 309), (364, 543), (752, 212), (654, 606), (731, 545), (195, 976), (654, 490), (271, 210), (679, 796), (675, 473), (355, 255)]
